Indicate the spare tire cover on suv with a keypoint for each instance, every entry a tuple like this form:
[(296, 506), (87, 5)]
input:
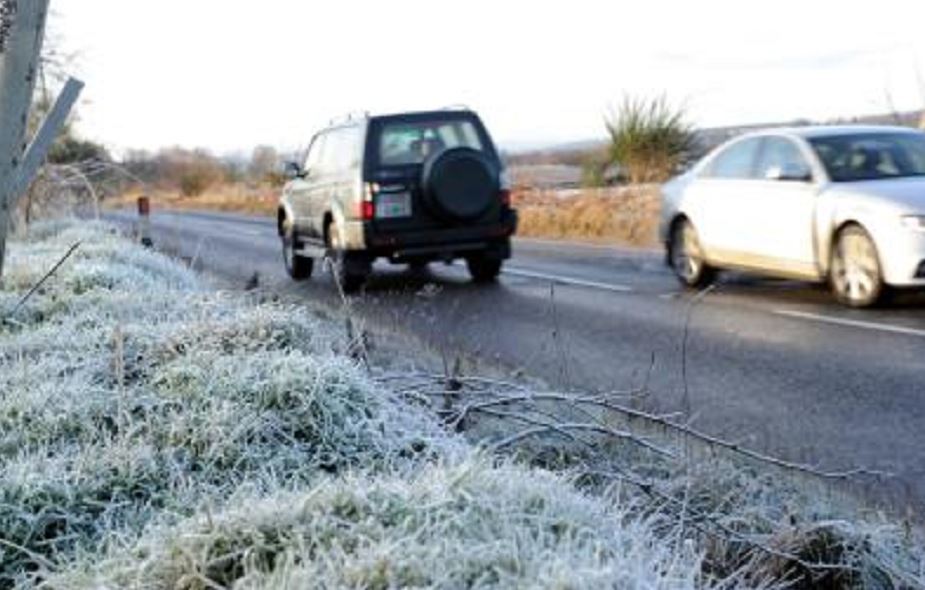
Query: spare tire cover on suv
[(460, 184)]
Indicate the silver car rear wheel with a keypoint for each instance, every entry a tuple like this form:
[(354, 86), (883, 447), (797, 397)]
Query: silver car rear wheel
[(856, 276), (687, 258)]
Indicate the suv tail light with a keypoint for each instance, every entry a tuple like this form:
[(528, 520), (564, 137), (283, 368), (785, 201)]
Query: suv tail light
[(368, 205), (367, 210), (505, 193)]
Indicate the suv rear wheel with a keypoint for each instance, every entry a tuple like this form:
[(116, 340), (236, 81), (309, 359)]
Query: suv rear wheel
[(298, 267), (484, 269), (348, 269)]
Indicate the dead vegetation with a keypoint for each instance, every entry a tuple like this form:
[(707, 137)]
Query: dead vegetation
[(626, 215), (760, 521), (226, 197)]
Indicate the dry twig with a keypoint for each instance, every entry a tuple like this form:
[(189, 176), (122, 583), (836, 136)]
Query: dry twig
[(47, 276)]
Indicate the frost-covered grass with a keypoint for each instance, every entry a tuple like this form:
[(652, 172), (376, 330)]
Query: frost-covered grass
[(466, 525), (157, 434), (129, 393)]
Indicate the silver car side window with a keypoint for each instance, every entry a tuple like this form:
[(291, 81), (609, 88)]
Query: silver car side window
[(736, 161), (778, 154)]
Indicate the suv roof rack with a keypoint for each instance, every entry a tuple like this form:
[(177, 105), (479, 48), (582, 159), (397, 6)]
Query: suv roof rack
[(349, 118)]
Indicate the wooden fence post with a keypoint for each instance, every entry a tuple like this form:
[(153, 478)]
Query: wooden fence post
[(22, 31)]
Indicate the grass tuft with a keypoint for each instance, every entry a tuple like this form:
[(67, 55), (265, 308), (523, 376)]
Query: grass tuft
[(469, 525)]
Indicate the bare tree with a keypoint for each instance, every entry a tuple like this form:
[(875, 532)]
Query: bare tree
[(264, 163)]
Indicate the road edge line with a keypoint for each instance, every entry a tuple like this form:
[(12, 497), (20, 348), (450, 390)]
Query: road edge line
[(527, 274), (873, 326)]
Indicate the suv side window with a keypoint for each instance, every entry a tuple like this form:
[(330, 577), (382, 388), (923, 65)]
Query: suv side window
[(737, 161), (341, 151), (331, 157), (315, 151), (779, 153), (348, 149)]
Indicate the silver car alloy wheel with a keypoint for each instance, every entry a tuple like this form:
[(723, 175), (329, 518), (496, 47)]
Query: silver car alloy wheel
[(856, 275), (686, 254)]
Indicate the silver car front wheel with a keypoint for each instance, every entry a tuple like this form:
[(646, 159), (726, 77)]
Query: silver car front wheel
[(687, 257), (856, 276)]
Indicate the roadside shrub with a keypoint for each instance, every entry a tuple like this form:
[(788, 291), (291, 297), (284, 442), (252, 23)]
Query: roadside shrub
[(594, 168), (190, 171), (780, 518), (649, 139), (194, 182)]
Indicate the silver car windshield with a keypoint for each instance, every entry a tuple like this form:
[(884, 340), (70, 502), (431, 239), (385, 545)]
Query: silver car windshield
[(871, 156)]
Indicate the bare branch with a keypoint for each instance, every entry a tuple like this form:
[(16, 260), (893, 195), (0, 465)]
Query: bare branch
[(726, 533), (508, 394), (583, 427), (47, 276), (685, 399)]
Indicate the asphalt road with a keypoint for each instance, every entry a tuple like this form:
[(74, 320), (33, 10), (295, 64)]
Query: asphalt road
[(774, 365)]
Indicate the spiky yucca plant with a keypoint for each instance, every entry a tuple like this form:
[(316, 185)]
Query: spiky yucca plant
[(649, 139)]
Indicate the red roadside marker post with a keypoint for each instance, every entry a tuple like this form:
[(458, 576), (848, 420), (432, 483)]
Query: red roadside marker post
[(144, 221)]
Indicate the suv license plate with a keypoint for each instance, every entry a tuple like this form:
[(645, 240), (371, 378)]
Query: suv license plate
[(389, 205)]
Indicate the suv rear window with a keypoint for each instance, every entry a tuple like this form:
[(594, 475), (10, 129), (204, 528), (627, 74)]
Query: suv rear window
[(408, 143)]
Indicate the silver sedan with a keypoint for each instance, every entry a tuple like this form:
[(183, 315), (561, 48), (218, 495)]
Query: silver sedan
[(844, 205)]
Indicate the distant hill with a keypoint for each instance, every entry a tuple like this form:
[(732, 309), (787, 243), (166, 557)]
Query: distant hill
[(574, 153)]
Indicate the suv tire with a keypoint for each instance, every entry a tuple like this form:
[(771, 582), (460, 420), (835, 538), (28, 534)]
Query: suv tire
[(484, 269), (348, 270), (299, 268)]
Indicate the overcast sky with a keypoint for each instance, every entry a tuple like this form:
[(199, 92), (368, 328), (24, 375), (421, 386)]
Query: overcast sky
[(230, 74)]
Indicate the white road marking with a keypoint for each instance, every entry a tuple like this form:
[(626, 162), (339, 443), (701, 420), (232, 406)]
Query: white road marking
[(875, 326), (527, 274)]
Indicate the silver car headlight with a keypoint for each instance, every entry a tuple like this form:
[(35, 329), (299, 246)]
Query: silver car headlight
[(916, 222)]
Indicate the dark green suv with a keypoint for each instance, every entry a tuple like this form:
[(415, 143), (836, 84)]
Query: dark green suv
[(411, 188)]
